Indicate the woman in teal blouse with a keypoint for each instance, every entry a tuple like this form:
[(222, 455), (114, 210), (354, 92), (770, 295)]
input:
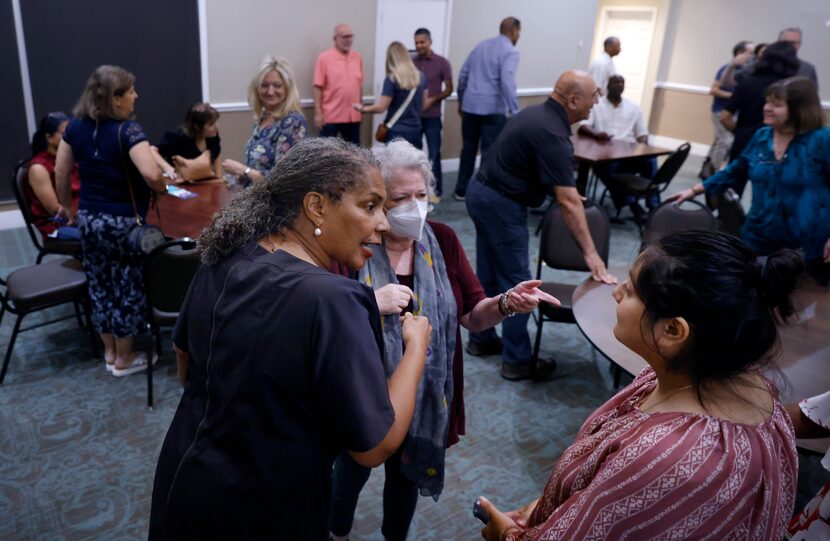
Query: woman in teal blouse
[(788, 162)]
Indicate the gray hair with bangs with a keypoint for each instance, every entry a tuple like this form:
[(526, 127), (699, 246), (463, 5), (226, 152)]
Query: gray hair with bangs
[(400, 154)]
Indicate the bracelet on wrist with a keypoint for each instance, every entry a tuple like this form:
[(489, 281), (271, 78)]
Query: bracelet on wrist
[(504, 304)]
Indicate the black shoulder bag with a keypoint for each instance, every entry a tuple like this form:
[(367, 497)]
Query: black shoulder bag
[(141, 237)]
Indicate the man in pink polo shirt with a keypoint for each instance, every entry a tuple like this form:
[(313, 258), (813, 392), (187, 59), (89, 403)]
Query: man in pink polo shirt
[(338, 76)]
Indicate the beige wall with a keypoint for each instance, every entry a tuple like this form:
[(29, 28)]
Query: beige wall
[(702, 33), (682, 115), (699, 38), (556, 35), (241, 32)]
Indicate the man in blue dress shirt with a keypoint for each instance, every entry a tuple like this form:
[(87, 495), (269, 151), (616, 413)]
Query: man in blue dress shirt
[(486, 96)]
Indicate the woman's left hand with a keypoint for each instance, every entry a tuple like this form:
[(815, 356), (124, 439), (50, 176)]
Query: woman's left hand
[(526, 296), (499, 522)]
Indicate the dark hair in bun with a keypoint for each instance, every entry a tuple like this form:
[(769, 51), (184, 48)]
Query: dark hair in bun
[(730, 300)]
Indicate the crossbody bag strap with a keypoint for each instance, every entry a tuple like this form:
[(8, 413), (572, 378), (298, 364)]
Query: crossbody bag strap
[(127, 175), (402, 108)]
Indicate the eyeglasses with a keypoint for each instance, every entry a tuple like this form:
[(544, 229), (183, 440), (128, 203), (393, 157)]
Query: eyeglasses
[(346, 36), (597, 93)]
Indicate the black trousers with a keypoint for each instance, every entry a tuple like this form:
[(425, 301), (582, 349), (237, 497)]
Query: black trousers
[(400, 496), (350, 131)]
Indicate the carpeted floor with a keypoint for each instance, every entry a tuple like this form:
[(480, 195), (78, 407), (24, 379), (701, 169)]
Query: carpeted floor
[(78, 447)]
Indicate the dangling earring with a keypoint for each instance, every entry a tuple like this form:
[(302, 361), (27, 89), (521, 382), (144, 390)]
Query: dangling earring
[(317, 232)]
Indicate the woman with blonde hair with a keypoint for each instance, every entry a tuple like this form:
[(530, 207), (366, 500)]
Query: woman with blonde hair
[(403, 98), (274, 98)]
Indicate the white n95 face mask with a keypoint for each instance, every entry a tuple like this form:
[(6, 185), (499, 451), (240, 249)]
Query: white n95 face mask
[(407, 220)]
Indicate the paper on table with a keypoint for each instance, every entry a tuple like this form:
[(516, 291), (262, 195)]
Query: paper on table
[(181, 193)]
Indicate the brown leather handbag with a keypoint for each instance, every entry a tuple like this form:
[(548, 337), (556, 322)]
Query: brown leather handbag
[(382, 133)]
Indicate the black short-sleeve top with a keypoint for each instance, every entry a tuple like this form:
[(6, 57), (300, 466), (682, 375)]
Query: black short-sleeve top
[(532, 154), (178, 143), (285, 371)]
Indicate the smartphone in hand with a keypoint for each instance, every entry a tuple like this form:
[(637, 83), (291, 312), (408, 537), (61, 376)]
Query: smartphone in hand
[(480, 513)]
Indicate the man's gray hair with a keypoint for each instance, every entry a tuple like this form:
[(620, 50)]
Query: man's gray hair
[(794, 29), (329, 166), (400, 154)]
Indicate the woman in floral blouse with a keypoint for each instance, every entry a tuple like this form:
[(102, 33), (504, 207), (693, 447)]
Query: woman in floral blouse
[(280, 124)]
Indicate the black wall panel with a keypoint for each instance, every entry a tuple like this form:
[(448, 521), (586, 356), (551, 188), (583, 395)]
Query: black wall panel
[(14, 144), (157, 40)]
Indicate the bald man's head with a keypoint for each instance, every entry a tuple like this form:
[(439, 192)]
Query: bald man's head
[(577, 93), (343, 38)]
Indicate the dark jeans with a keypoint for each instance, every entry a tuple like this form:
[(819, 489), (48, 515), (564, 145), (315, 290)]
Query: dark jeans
[(412, 135), (605, 171), (502, 261), (475, 128), (431, 128), (400, 496), (350, 131)]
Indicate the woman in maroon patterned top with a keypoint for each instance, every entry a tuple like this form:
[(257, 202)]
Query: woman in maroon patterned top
[(698, 446)]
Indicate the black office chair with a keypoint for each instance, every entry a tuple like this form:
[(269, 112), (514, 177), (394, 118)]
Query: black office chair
[(559, 250), (670, 218), (43, 245), (639, 186), (168, 271), (37, 287), (731, 214)]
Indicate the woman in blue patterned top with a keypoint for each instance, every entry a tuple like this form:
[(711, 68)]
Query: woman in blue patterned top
[(118, 170), (280, 123), (788, 162)]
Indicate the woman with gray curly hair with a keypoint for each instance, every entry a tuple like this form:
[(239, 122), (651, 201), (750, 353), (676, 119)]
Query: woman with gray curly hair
[(421, 266), (281, 359)]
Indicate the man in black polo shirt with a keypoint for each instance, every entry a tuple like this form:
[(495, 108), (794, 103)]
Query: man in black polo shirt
[(531, 158)]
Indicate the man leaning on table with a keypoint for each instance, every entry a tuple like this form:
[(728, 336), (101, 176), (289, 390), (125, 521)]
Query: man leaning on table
[(531, 158), (617, 118)]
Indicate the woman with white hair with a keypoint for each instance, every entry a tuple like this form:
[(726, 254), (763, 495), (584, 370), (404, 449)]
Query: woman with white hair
[(280, 124), (404, 96), (421, 267)]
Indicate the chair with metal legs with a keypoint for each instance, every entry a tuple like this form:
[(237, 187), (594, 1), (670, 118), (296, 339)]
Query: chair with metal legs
[(38, 287)]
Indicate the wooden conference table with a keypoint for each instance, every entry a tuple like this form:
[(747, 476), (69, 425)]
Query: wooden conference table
[(188, 217), (805, 345), (589, 151)]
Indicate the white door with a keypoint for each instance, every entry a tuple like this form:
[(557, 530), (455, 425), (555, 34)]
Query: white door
[(635, 28), (397, 20)]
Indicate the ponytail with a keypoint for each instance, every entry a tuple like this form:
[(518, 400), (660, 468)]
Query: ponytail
[(778, 278), (48, 126)]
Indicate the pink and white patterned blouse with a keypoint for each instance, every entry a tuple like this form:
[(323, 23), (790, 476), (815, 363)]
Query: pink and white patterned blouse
[(631, 475)]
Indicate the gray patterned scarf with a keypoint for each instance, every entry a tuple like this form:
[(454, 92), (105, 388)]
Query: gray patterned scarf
[(422, 459)]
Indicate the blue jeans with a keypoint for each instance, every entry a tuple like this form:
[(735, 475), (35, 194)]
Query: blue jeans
[(412, 135), (68, 232), (475, 129), (431, 128), (350, 131), (502, 261)]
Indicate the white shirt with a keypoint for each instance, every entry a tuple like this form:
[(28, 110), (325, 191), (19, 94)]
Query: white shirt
[(817, 409), (624, 122), (601, 69)]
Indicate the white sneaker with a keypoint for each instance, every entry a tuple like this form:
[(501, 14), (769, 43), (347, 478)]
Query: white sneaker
[(139, 364)]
